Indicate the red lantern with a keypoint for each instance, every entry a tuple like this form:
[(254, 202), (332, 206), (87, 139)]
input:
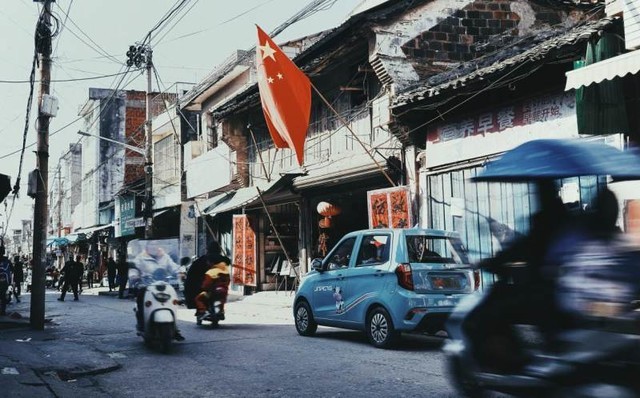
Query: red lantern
[(325, 222), (326, 209)]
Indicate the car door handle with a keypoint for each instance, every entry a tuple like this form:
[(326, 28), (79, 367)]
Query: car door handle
[(378, 273), (340, 277)]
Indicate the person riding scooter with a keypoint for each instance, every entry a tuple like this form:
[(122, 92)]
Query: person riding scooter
[(215, 287), (195, 274), (152, 258), (530, 298)]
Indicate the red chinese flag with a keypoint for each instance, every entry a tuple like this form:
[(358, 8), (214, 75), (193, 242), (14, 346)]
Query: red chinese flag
[(285, 93)]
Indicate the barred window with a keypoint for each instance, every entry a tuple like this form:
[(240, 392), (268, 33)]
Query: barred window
[(166, 165)]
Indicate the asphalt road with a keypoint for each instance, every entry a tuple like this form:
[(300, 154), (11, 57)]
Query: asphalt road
[(256, 352)]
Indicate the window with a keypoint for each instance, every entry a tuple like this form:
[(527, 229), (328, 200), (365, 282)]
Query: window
[(374, 250), (167, 161), (341, 255), (435, 249)]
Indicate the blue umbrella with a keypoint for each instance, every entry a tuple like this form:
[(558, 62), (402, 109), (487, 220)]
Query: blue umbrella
[(561, 158)]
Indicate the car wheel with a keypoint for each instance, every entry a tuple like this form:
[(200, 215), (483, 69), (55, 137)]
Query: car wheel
[(379, 328), (305, 324)]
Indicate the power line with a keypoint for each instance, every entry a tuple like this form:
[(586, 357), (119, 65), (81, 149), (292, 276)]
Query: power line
[(63, 127), (177, 22), (99, 49), (179, 4), (67, 80)]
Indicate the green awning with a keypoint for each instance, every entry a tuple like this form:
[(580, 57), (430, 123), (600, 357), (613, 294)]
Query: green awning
[(601, 108)]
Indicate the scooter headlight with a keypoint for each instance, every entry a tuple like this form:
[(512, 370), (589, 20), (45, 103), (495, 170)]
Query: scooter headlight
[(162, 297)]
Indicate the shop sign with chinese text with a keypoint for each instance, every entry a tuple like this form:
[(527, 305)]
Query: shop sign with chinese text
[(244, 251), (389, 208)]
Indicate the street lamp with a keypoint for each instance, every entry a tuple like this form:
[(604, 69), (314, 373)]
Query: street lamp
[(136, 149)]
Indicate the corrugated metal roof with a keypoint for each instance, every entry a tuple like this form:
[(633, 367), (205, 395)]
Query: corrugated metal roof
[(533, 49)]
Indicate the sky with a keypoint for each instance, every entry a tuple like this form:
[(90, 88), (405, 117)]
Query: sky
[(185, 52)]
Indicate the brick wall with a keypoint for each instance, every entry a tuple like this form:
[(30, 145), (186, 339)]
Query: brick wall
[(234, 136), (480, 28), (134, 133)]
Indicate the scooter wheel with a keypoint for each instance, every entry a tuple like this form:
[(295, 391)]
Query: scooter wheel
[(165, 335), (463, 381)]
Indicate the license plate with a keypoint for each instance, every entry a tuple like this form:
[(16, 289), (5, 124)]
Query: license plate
[(445, 282)]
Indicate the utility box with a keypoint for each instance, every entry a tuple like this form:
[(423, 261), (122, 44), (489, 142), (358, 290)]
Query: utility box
[(32, 186), (49, 105)]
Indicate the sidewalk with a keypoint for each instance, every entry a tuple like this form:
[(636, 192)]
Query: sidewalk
[(42, 363), (263, 307), (52, 362)]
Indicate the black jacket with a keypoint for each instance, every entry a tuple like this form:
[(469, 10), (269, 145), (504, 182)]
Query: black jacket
[(195, 275)]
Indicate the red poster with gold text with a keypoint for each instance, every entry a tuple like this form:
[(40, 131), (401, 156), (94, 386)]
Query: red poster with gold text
[(389, 208), (244, 251)]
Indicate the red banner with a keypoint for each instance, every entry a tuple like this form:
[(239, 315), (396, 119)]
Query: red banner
[(244, 251), (389, 208)]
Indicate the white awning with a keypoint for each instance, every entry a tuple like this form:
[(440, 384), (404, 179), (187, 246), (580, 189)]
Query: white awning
[(608, 69), (244, 196), (91, 229)]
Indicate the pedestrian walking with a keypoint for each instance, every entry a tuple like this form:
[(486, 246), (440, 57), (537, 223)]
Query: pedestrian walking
[(72, 273), (80, 273), (5, 280), (123, 276), (18, 277), (111, 273), (90, 271)]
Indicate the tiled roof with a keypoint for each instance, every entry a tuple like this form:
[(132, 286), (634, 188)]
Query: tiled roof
[(533, 49)]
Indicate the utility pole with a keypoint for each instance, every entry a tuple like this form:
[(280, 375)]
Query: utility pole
[(138, 55), (59, 223), (43, 50)]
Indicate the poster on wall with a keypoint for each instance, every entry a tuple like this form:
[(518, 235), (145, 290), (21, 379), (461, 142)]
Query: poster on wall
[(244, 251), (389, 208)]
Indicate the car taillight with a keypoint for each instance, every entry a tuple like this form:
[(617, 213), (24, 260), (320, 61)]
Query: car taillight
[(476, 279), (405, 278)]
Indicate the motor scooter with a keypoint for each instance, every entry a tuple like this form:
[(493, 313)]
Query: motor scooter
[(215, 314), (595, 350), (159, 306)]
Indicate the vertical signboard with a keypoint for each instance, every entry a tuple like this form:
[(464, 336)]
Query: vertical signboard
[(244, 251), (127, 213), (389, 208)]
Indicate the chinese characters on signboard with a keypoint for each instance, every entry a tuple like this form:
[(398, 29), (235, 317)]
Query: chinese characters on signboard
[(526, 113), (389, 208), (244, 251), (127, 214)]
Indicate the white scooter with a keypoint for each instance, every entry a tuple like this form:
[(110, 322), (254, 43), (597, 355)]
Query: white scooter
[(160, 308)]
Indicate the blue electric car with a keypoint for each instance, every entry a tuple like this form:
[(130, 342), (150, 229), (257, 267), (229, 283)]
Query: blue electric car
[(384, 282)]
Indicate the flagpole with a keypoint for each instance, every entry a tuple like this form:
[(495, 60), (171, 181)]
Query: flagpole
[(255, 143), (344, 122)]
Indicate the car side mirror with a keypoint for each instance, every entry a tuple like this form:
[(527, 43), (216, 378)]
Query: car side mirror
[(316, 264)]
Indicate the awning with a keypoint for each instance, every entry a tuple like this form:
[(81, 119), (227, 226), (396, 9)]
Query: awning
[(210, 203), (92, 229), (245, 196), (343, 170), (72, 238), (608, 69)]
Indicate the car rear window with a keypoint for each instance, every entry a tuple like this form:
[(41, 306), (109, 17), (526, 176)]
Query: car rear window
[(435, 249)]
